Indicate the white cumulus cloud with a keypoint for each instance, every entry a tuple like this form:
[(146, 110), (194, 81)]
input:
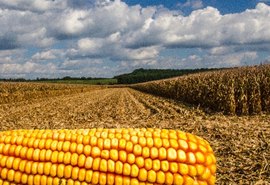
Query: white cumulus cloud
[(112, 31), (194, 4)]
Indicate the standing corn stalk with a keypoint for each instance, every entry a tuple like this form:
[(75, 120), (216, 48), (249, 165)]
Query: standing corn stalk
[(238, 91)]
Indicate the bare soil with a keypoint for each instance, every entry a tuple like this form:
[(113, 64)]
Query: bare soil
[(241, 144)]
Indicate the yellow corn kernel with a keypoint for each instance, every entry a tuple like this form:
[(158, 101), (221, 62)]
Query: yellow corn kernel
[(156, 165), (134, 181), (131, 158), (213, 168), (172, 154), (126, 169), (81, 160), (191, 159), (88, 162), (87, 150), (165, 143), (134, 139), (103, 165), (164, 166), (162, 153), (118, 167), (151, 176), (53, 171), (169, 178), (129, 146), (10, 175), (181, 156), (192, 170), (17, 177), (183, 169), (100, 143), (188, 180), (118, 180), (114, 154), (34, 168), (105, 154), (200, 169), (134, 171), (95, 178), (137, 150), (173, 167), (96, 164), (148, 164), (75, 173), (149, 142), (126, 180), (122, 156), (157, 142), (82, 174), (88, 176), (161, 177), (66, 146), (60, 170), (80, 148), (110, 179), (154, 153), (142, 141), (142, 174), (111, 166), (183, 144), (54, 157), (74, 159), (9, 162), (95, 152), (40, 168), (178, 179), (107, 143), (68, 171), (42, 155), (16, 163), (114, 143), (145, 152), (102, 179), (174, 144), (140, 162)]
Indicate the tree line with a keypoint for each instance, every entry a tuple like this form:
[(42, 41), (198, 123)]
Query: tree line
[(66, 78), (144, 75)]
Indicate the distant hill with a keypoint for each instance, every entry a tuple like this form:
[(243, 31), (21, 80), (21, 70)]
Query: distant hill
[(144, 75)]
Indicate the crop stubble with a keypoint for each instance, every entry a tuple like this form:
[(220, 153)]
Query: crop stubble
[(241, 144)]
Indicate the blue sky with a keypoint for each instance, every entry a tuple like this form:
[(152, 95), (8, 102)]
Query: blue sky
[(104, 38), (224, 6)]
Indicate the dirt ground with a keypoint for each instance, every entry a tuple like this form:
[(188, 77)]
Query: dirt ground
[(241, 144)]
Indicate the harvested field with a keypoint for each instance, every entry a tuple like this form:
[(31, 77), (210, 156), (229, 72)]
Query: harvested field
[(14, 92), (241, 144)]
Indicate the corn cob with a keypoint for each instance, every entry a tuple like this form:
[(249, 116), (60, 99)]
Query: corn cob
[(105, 156)]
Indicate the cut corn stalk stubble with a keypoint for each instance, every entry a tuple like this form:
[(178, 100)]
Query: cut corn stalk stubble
[(105, 156)]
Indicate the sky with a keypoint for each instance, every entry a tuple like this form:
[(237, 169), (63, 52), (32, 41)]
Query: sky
[(104, 38)]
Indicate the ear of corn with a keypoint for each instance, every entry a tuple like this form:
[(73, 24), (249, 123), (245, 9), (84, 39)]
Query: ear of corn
[(105, 156)]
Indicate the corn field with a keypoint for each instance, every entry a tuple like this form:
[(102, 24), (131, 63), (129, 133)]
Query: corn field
[(11, 92), (240, 91), (240, 144)]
